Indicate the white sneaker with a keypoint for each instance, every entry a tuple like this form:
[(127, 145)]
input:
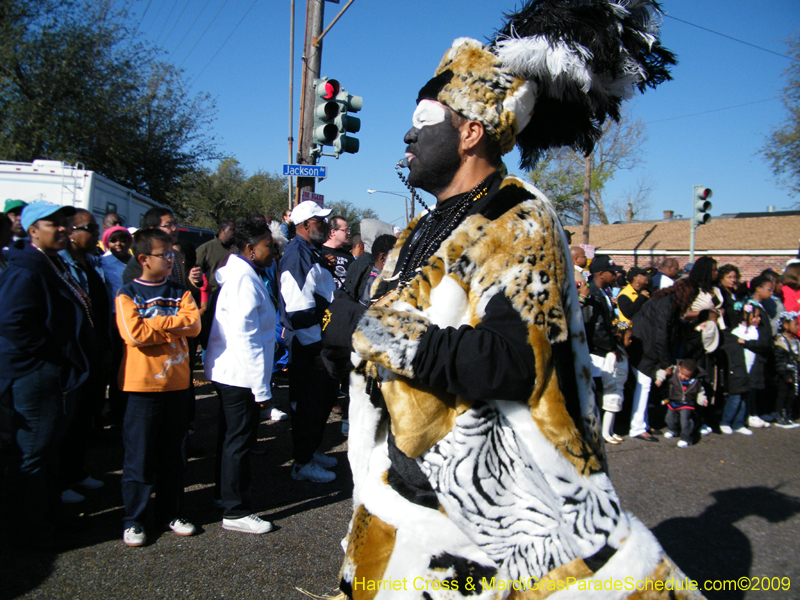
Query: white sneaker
[(276, 414), (727, 429), (743, 430), (90, 483), (312, 472), (325, 461), (668, 434), (69, 496), (756, 422), (182, 527), (248, 524), (682, 444), (134, 536), (705, 430)]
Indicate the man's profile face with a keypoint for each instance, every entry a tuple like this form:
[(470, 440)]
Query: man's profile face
[(671, 270), (433, 144), (14, 215), (169, 226), (578, 256), (318, 230), (227, 234)]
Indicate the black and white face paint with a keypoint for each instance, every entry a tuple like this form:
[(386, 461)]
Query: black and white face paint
[(432, 150)]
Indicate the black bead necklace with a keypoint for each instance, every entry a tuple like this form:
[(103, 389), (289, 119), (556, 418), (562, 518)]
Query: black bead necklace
[(438, 226)]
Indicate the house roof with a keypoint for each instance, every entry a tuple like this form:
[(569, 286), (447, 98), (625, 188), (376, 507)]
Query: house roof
[(752, 234)]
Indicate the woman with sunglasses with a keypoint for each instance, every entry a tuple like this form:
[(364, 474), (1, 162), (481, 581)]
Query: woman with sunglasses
[(84, 266)]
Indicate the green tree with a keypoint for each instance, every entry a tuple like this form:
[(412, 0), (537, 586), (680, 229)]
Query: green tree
[(75, 87), (560, 174), (204, 198), (782, 149), (351, 213)]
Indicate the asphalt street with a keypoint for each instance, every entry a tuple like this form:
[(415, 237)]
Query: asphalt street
[(724, 509)]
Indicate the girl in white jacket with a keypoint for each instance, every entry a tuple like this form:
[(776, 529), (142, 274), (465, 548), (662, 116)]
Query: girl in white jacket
[(238, 362), (615, 374)]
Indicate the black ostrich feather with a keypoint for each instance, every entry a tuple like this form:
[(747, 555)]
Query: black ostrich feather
[(600, 52)]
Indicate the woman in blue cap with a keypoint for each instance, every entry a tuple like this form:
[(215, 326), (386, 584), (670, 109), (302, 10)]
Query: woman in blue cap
[(45, 319)]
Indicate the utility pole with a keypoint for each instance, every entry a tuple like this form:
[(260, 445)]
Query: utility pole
[(291, 99), (587, 195), (312, 60)]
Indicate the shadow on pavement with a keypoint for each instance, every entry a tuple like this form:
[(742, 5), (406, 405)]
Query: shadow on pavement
[(711, 547)]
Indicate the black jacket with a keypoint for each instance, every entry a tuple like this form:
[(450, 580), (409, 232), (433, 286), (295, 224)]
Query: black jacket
[(786, 359), (762, 347), (653, 334), (732, 366), (41, 321), (598, 318)]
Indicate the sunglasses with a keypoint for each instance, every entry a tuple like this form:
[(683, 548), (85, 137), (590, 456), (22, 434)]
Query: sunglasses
[(89, 228), (165, 256)]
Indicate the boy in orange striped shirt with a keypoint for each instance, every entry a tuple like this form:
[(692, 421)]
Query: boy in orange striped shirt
[(155, 316)]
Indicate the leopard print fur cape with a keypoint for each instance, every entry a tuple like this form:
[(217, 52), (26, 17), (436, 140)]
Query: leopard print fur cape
[(525, 508)]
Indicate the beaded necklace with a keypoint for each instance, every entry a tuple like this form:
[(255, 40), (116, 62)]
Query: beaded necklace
[(437, 227), (73, 286)]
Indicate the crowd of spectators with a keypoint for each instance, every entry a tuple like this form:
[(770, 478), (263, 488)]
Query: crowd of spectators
[(694, 349), (102, 329)]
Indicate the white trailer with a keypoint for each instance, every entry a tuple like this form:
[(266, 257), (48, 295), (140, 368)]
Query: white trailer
[(68, 185)]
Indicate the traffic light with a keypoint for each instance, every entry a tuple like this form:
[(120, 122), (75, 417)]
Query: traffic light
[(701, 206), (326, 109), (332, 123), (347, 123)]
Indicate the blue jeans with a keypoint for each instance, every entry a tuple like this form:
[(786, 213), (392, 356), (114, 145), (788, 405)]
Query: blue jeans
[(154, 437), (734, 411), (38, 410)]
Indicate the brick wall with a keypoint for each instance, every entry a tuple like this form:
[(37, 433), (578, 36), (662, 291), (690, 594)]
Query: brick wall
[(749, 266)]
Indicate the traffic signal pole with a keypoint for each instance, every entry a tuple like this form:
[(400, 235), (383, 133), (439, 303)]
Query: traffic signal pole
[(312, 60)]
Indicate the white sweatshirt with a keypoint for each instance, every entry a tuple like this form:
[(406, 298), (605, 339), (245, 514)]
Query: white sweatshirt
[(241, 344)]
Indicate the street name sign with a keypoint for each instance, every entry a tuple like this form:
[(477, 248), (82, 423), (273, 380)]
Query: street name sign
[(305, 171)]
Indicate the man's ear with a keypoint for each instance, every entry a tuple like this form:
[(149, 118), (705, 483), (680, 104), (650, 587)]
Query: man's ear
[(472, 132)]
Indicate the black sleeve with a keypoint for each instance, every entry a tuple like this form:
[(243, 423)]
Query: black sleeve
[(132, 271), (763, 345), (630, 307), (493, 360)]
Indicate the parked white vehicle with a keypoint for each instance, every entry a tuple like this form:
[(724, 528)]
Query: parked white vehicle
[(68, 185)]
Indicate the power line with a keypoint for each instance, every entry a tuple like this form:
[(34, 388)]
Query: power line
[(202, 34), (164, 26), (191, 26), (196, 77), (139, 24), (185, 6), (793, 59), (155, 16), (715, 110)]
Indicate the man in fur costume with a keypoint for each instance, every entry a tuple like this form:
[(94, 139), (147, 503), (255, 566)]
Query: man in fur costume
[(475, 446)]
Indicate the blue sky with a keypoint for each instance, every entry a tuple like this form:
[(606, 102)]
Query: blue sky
[(704, 128)]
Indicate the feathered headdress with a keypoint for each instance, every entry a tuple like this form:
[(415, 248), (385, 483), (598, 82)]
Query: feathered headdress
[(554, 72)]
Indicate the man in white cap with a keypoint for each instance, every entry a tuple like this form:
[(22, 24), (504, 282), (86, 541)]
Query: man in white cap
[(307, 288)]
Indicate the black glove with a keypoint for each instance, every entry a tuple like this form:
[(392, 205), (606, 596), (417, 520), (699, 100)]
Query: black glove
[(338, 324)]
